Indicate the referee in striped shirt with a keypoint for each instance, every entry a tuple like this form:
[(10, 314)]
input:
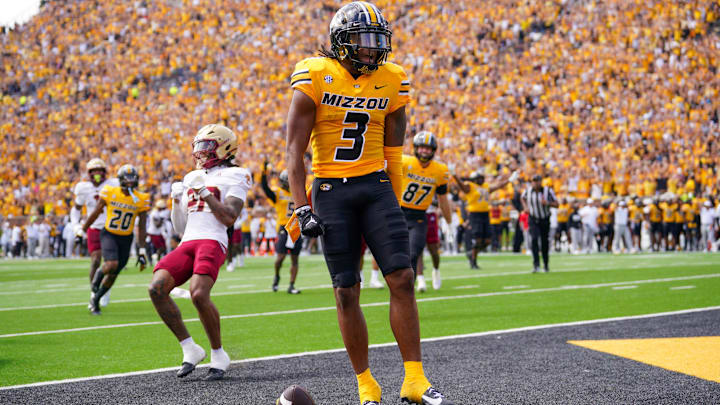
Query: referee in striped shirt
[(537, 201)]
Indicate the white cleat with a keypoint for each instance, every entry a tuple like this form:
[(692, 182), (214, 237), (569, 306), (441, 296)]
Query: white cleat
[(436, 280), (105, 299), (231, 267), (421, 285), (376, 284)]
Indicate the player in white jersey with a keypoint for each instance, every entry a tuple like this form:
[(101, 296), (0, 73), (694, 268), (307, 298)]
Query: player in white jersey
[(235, 253), (205, 205), (157, 229), (87, 194)]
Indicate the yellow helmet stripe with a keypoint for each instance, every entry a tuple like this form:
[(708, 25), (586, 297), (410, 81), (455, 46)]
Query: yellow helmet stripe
[(370, 9)]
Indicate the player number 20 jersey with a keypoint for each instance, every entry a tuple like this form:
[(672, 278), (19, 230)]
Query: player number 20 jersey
[(348, 137), (122, 209)]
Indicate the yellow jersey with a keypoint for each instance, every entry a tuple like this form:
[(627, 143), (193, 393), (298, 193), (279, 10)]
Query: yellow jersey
[(348, 137), (505, 213), (635, 213), (655, 213), (495, 215), (122, 209), (478, 199), (688, 212), (668, 211), (563, 213), (421, 183), (284, 206)]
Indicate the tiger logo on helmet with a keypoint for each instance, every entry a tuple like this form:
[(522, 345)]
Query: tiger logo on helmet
[(425, 138), (128, 176), (214, 144), (360, 25)]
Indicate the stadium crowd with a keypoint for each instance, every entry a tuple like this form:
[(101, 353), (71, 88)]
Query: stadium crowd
[(612, 102)]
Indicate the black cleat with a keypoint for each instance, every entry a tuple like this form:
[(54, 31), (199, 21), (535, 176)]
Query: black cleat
[(94, 305), (214, 374), (293, 290), (185, 369), (276, 281), (430, 397)]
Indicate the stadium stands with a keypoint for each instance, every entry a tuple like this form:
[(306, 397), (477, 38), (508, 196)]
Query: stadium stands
[(616, 97)]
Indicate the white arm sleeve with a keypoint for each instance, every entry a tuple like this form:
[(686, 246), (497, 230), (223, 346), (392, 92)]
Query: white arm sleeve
[(178, 217), (75, 215)]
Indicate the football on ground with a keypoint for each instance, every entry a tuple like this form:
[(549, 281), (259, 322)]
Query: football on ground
[(295, 395)]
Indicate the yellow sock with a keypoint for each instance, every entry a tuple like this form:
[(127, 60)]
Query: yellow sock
[(415, 383), (368, 388)]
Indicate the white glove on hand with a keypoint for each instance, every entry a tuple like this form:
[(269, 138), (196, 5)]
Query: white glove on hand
[(198, 185), (513, 176), (78, 231), (451, 168), (176, 190)]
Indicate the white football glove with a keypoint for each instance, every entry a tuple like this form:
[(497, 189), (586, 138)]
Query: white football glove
[(176, 190), (513, 176), (198, 185), (451, 168), (78, 231)]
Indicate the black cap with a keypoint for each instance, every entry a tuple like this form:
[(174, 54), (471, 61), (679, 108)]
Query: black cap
[(537, 177)]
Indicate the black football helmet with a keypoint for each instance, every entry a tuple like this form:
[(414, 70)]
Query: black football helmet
[(425, 138), (128, 176), (360, 25)]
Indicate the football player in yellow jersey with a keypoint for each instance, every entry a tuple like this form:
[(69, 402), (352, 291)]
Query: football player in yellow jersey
[(350, 106), (669, 208), (423, 177), (477, 195), (688, 212), (636, 218), (654, 217), (563, 216), (123, 204), (281, 200)]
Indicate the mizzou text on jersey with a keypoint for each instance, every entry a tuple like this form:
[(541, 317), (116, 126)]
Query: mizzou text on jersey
[(122, 209), (348, 137), (421, 183)]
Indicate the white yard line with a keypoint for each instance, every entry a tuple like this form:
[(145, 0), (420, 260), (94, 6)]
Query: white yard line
[(683, 287), (339, 350), (379, 304), (625, 287)]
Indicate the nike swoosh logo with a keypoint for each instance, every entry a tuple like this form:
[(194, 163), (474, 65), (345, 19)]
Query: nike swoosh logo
[(431, 401), (380, 87)]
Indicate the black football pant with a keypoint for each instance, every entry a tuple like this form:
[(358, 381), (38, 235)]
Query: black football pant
[(540, 238)]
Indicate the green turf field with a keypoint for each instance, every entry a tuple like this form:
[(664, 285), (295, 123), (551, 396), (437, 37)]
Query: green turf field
[(47, 334)]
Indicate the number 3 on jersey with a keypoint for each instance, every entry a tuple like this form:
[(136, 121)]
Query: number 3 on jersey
[(356, 134)]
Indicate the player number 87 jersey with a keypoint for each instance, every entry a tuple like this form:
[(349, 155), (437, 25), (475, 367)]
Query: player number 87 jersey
[(421, 183), (348, 137)]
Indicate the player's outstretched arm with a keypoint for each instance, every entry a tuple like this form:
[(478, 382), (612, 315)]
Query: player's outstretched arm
[(301, 119), (93, 216)]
